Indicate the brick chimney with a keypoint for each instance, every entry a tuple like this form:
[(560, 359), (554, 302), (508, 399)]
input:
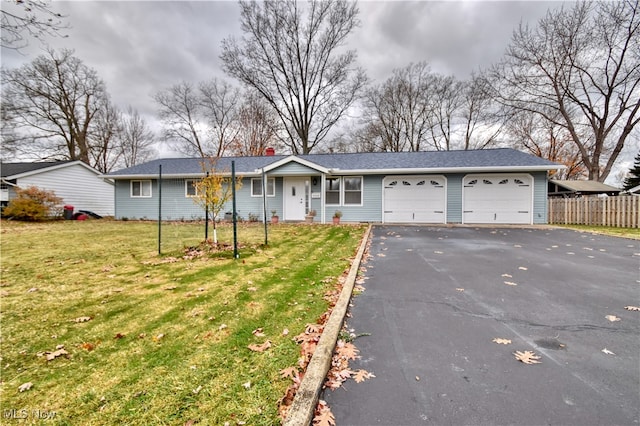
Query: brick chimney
[(270, 152)]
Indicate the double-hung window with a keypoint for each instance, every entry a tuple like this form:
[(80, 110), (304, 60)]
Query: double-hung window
[(256, 187), (345, 191), (140, 188), (190, 189)]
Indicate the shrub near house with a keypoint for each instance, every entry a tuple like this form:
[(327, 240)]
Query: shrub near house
[(33, 204)]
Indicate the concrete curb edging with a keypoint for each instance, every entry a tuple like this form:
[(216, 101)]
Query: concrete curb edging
[(304, 403)]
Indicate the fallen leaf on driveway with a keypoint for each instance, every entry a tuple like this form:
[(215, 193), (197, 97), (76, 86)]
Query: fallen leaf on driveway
[(460, 289), (632, 308), (612, 318), (437, 252), (527, 357), (507, 276), (362, 375), (607, 351), (501, 341), (510, 283), (523, 268)]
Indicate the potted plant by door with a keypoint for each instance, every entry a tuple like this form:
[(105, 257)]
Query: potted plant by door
[(336, 216), (309, 216), (274, 217)]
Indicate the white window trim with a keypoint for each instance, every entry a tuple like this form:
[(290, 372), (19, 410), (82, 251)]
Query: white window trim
[(141, 181), (259, 180), (186, 188), (342, 190)]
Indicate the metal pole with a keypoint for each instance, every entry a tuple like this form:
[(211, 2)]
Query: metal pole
[(206, 212), (235, 220), (264, 205), (160, 209)]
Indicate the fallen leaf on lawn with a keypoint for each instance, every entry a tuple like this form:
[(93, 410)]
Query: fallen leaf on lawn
[(82, 319), (252, 289), (55, 354), (290, 372), (285, 332), (158, 337), (119, 336), (612, 318), (258, 332), (197, 390), (527, 357), (32, 289), (501, 341), (510, 283), (260, 348), (222, 327), (171, 287), (607, 351), (87, 346), (247, 385), (632, 308), (25, 387)]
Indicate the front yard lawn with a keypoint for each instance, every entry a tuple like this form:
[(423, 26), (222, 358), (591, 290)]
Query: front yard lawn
[(97, 329)]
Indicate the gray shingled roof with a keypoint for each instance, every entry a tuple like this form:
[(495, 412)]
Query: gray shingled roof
[(371, 161), (12, 169)]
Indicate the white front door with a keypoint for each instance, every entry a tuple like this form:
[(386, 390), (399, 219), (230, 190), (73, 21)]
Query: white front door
[(296, 195)]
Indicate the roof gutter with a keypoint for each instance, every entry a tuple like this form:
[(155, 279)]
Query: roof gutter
[(439, 170)]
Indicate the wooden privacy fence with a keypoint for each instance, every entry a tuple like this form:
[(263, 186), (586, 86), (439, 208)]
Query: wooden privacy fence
[(620, 211)]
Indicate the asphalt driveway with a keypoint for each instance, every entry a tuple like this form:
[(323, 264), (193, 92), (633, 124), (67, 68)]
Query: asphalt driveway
[(435, 299)]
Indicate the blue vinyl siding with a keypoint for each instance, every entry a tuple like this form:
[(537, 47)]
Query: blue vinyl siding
[(176, 206), (454, 198), (540, 207), (294, 169), (371, 208)]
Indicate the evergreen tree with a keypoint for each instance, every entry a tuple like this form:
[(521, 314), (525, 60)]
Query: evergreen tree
[(633, 179)]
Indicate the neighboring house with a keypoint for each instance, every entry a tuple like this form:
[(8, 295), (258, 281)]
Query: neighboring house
[(578, 188), (634, 191), (75, 182), (485, 186)]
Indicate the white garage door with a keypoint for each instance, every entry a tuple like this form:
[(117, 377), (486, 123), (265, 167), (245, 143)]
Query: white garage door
[(420, 199), (497, 199)]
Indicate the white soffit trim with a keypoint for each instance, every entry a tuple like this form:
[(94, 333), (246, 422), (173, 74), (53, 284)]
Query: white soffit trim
[(500, 169)]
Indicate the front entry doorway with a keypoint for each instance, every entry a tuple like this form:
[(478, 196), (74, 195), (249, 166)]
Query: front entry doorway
[(296, 197)]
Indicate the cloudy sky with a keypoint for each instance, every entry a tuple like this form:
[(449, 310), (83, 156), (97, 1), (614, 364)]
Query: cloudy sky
[(140, 47)]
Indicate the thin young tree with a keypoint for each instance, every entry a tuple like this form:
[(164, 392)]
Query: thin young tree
[(291, 54), (213, 191)]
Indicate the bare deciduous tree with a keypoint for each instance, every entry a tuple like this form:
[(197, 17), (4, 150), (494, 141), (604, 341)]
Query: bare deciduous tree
[(579, 69), (201, 121), (135, 139), (258, 127), (292, 59), (24, 19), (52, 103)]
